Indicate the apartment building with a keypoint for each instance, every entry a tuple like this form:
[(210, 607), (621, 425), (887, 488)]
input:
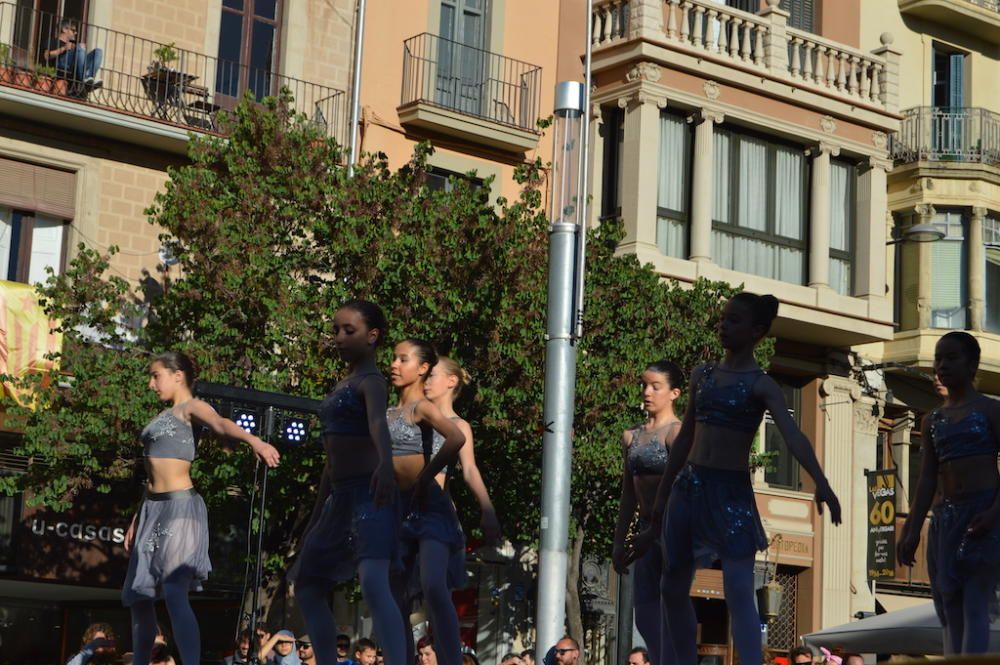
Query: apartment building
[(80, 160), (946, 177), (748, 141)]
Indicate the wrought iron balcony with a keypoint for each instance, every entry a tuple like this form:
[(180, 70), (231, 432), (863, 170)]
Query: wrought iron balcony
[(143, 78), (948, 134), (470, 82)]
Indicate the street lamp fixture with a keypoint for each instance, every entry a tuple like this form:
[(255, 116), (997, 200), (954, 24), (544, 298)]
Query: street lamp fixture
[(919, 233)]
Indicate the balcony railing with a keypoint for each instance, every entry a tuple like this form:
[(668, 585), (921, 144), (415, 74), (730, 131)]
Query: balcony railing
[(146, 78), (952, 134), (471, 81), (749, 41)]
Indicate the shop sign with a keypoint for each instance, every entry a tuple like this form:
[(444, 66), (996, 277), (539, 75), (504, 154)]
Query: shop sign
[(882, 524)]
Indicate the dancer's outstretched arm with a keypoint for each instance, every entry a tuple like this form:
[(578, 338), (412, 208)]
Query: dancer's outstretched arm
[(207, 416), (474, 479), (906, 548), (798, 444)]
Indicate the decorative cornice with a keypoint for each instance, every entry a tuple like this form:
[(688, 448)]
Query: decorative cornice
[(641, 96), (980, 212), (828, 124), (712, 90), (880, 140), (866, 416), (644, 71), (924, 209)]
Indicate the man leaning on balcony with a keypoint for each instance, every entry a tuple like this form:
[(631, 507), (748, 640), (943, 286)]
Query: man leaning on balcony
[(72, 61)]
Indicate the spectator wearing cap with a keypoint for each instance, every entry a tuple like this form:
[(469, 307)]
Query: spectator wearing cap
[(283, 643), (305, 650)]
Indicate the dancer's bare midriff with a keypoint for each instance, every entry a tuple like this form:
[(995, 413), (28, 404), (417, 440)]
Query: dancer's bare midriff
[(407, 468), (961, 477), (166, 474), (721, 448), (350, 456)]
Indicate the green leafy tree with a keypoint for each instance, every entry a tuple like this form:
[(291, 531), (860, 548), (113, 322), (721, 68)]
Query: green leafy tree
[(270, 236)]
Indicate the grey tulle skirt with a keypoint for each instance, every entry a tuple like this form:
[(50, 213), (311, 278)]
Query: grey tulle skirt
[(171, 542)]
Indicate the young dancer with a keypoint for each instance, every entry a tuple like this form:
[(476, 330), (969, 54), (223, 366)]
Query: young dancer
[(711, 514), (645, 449), (431, 534), (354, 522), (442, 387), (960, 440), (167, 540)]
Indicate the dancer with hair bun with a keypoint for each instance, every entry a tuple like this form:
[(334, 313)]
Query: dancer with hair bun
[(442, 387), (645, 449), (353, 528), (167, 541), (961, 440), (432, 539), (710, 511)]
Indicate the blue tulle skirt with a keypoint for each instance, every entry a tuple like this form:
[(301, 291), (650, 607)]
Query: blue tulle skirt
[(953, 556), (436, 520), (171, 540), (350, 528), (711, 515)]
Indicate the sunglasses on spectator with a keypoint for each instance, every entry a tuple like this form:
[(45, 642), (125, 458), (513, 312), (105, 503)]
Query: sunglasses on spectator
[(567, 650), (304, 645)]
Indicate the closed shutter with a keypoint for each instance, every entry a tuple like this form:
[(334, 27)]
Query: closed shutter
[(949, 297), (37, 188), (752, 6), (801, 14)]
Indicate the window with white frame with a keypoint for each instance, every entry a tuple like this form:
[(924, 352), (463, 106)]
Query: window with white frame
[(949, 265), (760, 206), (673, 185), (842, 211), (991, 240), (30, 243)]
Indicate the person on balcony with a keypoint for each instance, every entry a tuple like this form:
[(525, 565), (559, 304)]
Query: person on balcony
[(72, 60)]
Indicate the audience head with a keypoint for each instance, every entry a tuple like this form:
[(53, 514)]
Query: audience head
[(638, 656)]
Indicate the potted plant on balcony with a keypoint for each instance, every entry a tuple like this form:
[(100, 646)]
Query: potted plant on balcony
[(45, 78), (164, 55), (9, 72)]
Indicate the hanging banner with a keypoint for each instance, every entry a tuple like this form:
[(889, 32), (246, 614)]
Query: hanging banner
[(882, 524), (26, 337)]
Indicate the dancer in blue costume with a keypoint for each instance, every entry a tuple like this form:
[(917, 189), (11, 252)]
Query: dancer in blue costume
[(167, 541), (354, 523), (711, 514), (645, 449), (960, 442)]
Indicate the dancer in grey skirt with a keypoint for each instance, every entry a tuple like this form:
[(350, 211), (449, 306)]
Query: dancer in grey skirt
[(167, 541)]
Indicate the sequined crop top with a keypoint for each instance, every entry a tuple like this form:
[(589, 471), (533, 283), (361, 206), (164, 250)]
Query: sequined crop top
[(343, 412), (647, 453), (407, 438), (965, 437), (730, 406), (438, 440), (167, 436)]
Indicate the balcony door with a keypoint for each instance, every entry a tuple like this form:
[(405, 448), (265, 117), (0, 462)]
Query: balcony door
[(949, 121), (248, 50), (462, 59), (37, 21)]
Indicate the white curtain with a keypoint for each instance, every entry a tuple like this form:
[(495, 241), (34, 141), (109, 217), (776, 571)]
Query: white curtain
[(671, 237), (720, 148), (46, 247), (674, 163), (6, 229), (752, 203), (789, 211), (841, 217)]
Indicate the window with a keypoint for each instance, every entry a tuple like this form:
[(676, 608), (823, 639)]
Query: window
[(752, 6), (440, 180), (672, 187), (949, 265), (991, 241), (759, 210), (461, 71), (842, 212), (947, 77), (782, 470), (801, 14), (29, 243), (248, 48), (613, 136)]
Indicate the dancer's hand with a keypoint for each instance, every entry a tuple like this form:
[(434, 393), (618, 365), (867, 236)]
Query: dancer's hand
[(983, 522), (620, 559), (906, 548), (129, 537), (267, 453), (639, 545), (824, 494), (490, 526), (383, 485)]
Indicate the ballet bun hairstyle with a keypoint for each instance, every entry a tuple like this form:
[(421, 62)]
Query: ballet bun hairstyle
[(763, 308), (176, 361), (968, 343), (425, 352), (675, 377), (372, 315), (452, 368)]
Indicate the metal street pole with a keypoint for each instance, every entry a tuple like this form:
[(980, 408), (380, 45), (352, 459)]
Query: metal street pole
[(560, 367), (359, 47)]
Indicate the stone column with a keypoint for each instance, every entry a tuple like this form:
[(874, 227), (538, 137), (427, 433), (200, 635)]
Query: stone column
[(977, 269), (901, 454), (925, 215), (640, 169), (867, 411), (702, 186), (838, 556), (869, 247), (596, 184), (819, 217), (776, 38)]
